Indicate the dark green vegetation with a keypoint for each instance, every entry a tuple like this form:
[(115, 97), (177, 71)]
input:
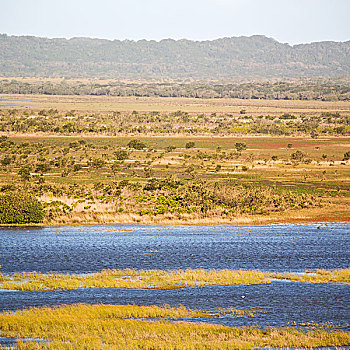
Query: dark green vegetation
[(20, 208), (226, 58), (301, 89)]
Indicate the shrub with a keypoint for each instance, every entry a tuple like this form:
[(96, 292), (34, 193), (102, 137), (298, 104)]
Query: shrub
[(136, 144), (190, 144), (298, 156), (287, 116), (240, 146), (98, 163), (24, 172), (346, 156), (121, 154), (77, 167), (6, 161), (42, 168), (20, 208), (170, 148)]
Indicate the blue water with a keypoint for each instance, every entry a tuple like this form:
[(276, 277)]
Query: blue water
[(277, 304), (85, 249), (11, 104)]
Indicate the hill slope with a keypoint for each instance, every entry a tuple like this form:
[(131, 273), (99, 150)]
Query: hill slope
[(227, 58)]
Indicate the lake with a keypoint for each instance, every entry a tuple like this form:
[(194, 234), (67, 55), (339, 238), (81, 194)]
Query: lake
[(287, 247)]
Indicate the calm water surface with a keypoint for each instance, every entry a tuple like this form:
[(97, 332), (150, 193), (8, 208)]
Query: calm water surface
[(85, 249)]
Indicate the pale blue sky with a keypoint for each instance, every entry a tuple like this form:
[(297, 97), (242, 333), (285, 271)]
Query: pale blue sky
[(292, 21)]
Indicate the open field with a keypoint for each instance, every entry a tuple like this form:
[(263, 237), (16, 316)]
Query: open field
[(93, 104)]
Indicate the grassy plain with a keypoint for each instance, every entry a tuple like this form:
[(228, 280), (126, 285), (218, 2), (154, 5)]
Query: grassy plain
[(150, 327), (93, 104), (85, 170)]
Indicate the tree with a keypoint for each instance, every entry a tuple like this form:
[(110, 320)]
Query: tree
[(240, 146), (136, 144), (115, 167), (121, 154), (98, 163), (298, 156), (20, 208), (24, 173)]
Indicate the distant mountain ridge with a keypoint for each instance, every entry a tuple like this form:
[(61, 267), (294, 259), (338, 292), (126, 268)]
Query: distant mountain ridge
[(221, 59)]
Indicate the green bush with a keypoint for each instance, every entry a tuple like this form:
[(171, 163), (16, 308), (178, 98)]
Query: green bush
[(346, 156), (298, 156), (190, 144), (20, 208), (136, 144), (121, 154), (240, 146)]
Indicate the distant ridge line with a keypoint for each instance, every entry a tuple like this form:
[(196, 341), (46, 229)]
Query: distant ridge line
[(255, 56)]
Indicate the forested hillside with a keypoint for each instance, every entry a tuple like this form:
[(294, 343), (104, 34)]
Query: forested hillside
[(221, 59)]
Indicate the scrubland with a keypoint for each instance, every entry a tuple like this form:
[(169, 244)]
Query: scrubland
[(117, 160)]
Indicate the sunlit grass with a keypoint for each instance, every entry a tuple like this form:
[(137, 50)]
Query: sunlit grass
[(148, 327), (161, 279), (130, 278), (318, 276)]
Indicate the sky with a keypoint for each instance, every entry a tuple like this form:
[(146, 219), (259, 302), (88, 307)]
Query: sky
[(288, 21)]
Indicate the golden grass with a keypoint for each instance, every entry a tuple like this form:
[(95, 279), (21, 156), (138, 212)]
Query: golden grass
[(161, 279), (130, 278), (337, 211), (129, 327), (173, 104), (318, 276)]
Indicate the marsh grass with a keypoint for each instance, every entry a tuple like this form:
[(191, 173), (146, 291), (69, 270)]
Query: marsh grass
[(134, 327), (161, 279), (318, 276), (130, 278)]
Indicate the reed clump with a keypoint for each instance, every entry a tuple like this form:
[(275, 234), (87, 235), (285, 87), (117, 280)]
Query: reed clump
[(162, 279), (317, 276), (132, 278), (134, 327)]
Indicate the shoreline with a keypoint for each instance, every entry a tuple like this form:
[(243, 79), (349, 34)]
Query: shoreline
[(241, 221)]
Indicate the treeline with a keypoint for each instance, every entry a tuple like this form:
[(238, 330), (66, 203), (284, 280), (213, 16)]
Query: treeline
[(321, 89)]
